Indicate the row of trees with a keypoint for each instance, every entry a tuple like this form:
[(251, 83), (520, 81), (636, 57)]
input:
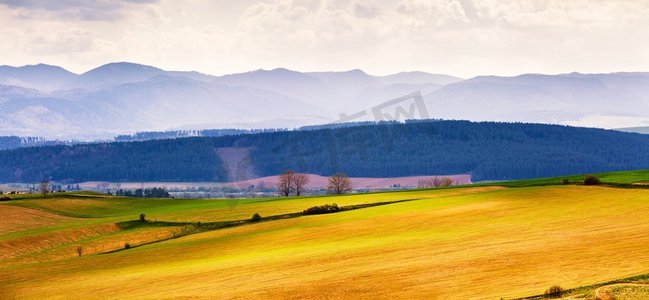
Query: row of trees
[(434, 182), (144, 193), (291, 182)]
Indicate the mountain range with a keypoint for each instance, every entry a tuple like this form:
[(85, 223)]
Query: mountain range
[(118, 98)]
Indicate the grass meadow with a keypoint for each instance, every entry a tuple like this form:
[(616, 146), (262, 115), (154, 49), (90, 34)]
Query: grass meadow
[(474, 242)]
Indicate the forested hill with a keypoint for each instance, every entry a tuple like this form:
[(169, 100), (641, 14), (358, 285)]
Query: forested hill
[(487, 150)]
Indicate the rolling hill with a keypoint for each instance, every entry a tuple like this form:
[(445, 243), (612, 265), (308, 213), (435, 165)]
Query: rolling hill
[(486, 151), (473, 242)]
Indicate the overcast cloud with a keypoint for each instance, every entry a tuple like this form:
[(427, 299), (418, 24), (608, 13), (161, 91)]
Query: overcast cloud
[(459, 37)]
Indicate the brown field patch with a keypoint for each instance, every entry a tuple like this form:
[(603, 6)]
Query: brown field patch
[(22, 246), (19, 218)]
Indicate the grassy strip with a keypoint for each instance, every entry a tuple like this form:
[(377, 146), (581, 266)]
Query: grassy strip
[(586, 289), (187, 228)]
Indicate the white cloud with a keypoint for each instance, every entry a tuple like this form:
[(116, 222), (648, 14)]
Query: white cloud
[(462, 37)]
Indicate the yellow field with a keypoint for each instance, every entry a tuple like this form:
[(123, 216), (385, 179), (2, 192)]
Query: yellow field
[(469, 243)]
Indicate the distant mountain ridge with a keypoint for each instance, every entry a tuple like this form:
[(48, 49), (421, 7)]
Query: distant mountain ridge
[(593, 100), (121, 98), (641, 130)]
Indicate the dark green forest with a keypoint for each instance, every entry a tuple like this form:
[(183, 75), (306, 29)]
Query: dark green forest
[(486, 150)]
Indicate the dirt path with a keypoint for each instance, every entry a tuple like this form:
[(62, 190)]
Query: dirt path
[(602, 291)]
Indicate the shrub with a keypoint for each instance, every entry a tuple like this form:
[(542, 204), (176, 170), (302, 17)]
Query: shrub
[(554, 291), (127, 246), (142, 218), (322, 209), (591, 180), (5, 198), (565, 181), (256, 217)]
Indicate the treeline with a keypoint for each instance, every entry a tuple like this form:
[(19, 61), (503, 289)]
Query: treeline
[(12, 142), (175, 134), (144, 193), (486, 150), (191, 159)]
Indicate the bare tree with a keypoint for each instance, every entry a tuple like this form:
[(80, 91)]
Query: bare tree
[(285, 183), (44, 187), (299, 183), (339, 183), (422, 183), (435, 182), (446, 181)]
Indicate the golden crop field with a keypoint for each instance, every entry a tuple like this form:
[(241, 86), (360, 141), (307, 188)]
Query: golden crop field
[(461, 243)]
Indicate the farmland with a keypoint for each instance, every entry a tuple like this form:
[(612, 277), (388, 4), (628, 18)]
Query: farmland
[(478, 241)]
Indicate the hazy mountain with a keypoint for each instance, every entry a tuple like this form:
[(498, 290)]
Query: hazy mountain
[(642, 130), (418, 78), (9, 92), (116, 98), (115, 74), (347, 82), (577, 99), (42, 77), (294, 84), (159, 103)]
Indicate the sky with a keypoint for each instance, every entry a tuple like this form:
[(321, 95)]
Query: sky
[(458, 37)]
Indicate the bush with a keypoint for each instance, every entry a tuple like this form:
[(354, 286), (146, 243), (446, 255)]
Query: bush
[(127, 246), (5, 198), (591, 180), (142, 218), (256, 217), (322, 209), (565, 181), (554, 291)]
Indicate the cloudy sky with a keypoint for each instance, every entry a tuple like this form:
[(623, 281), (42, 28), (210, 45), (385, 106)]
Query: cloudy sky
[(458, 37)]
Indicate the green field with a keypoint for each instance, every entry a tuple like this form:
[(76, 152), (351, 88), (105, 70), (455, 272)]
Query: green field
[(484, 241)]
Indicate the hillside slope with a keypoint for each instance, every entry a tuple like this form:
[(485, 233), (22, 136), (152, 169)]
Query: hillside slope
[(487, 151), (459, 243)]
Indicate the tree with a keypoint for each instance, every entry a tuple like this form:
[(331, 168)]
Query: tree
[(44, 187), (591, 180), (339, 184), (299, 183), (285, 183), (554, 291), (446, 181)]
